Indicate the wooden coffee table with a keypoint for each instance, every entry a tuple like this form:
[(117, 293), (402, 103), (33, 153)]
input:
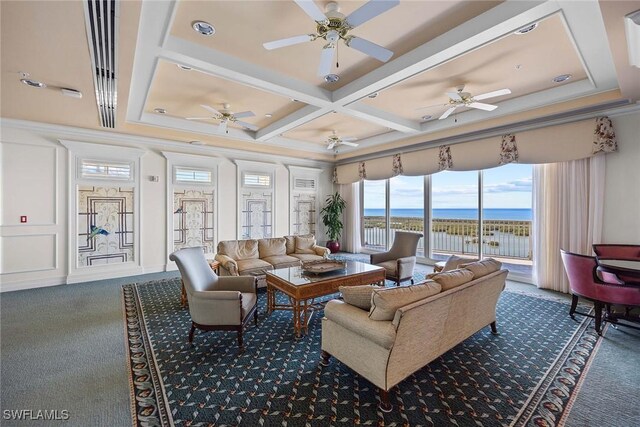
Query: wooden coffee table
[(303, 288)]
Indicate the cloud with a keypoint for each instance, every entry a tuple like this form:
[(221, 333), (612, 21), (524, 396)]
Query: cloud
[(518, 185)]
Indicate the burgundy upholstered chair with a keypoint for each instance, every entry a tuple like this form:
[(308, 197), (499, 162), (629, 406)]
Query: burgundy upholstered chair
[(584, 282), (631, 252)]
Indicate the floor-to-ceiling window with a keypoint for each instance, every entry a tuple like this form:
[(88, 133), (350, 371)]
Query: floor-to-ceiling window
[(374, 224), (454, 213), (406, 207), (473, 213)]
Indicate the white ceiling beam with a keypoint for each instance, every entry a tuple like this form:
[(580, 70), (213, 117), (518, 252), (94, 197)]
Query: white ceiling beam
[(479, 31), (293, 120), (231, 68), (379, 117)]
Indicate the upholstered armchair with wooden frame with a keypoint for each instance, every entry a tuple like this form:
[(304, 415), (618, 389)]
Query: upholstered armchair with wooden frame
[(584, 282), (215, 303), (400, 260)]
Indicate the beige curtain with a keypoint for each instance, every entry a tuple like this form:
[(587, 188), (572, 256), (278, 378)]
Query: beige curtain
[(568, 200), (351, 217)]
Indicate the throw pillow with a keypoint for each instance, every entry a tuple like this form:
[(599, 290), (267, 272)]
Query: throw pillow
[(482, 268), (385, 302), (451, 279), (454, 262), (272, 247), (359, 296), (305, 244)]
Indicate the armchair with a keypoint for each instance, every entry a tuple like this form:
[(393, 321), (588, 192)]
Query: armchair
[(215, 303), (584, 282), (400, 260)]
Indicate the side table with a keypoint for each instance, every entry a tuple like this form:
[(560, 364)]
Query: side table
[(215, 265)]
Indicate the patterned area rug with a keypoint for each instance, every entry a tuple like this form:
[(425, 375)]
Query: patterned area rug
[(527, 375)]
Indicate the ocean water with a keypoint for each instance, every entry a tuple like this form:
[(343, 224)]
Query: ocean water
[(506, 214)]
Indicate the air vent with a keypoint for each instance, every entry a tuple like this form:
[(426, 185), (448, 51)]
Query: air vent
[(304, 184), (101, 17)]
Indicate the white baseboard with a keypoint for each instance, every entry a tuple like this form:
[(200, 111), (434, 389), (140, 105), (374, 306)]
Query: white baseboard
[(20, 285)]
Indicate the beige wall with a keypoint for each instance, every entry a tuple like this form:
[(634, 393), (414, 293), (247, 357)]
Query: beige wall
[(622, 188), (34, 181)]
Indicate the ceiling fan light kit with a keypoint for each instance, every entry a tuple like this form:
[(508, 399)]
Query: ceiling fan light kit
[(333, 26), (334, 140)]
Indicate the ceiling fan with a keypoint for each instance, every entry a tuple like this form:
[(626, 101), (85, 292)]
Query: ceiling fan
[(225, 116), (333, 26), (334, 140), (465, 99)]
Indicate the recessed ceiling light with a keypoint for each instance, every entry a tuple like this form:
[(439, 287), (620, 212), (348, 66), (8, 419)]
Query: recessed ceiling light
[(561, 78), (184, 67), (331, 78), (373, 95), (33, 83), (160, 110), (203, 28), (427, 117), (268, 115), (527, 29)]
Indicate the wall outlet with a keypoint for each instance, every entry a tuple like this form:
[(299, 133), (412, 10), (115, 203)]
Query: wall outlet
[(23, 218)]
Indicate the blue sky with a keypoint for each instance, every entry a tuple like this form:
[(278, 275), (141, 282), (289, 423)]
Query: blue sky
[(504, 187)]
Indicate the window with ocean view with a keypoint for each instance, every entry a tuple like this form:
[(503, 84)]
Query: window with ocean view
[(503, 230)]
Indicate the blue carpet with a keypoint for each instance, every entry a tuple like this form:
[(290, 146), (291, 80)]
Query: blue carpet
[(525, 376)]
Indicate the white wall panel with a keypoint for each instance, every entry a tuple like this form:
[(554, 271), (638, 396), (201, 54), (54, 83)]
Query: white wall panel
[(26, 253), (29, 184)]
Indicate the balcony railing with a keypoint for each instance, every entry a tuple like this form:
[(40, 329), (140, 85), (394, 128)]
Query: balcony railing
[(500, 238)]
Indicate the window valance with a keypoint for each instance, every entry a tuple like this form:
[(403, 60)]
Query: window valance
[(551, 144)]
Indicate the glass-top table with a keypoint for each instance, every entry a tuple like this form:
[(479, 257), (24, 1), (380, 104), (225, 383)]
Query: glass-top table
[(302, 288)]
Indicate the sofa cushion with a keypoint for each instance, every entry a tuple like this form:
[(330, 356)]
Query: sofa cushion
[(305, 244), (451, 279), (272, 247), (239, 249), (307, 257), (357, 321), (482, 268), (454, 262), (252, 266), (282, 261), (358, 296), (385, 302), (290, 244)]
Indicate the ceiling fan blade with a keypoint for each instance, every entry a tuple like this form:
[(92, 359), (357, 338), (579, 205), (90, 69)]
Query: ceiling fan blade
[(247, 125), (369, 11), (481, 106), (312, 9), (492, 94), (349, 139), (447, 113), (243, 114), (350, 144), (454, 95), (222, 128), (331, 145), (212, 110), (290, 41), (326, 60), (370, 48), (198, 118)]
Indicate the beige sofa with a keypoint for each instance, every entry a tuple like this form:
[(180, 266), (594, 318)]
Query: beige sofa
[(387, 352), (255, 257)]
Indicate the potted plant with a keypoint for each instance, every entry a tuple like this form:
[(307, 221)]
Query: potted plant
[(332, 220)]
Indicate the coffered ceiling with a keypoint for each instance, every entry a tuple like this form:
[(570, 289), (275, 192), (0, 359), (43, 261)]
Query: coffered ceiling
[(437, 45)]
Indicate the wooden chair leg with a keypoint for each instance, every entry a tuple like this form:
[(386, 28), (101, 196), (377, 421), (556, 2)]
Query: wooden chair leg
[(574, 305), (255, 317), (240, 339), (193, 328), (494, 328), (598, 308), (324, 358), (412, 282), (384, 406)]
